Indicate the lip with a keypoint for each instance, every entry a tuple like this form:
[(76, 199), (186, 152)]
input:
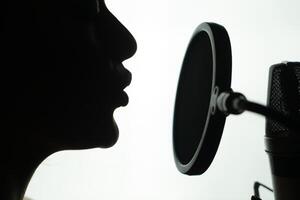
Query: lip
[(124, 75), (123, 78)]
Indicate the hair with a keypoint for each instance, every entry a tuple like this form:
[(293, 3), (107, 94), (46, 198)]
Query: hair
[(19, 39), (3, 15)]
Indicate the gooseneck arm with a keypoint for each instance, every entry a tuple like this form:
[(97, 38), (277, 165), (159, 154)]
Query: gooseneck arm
[(236, 103)]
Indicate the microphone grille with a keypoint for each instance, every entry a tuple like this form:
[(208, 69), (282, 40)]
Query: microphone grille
[(283, 95)]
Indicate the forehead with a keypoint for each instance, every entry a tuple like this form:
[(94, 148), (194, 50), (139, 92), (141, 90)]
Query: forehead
[(84, 5), (81, 7)]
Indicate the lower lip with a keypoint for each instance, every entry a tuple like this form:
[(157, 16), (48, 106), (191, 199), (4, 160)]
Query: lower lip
[(125, 98), (122, 99)]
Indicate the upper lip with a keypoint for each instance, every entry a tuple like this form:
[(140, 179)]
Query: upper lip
[(123, 75)]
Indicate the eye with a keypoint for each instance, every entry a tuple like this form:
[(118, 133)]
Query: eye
[(100, 5)]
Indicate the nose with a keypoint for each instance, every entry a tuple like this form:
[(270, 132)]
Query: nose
[(119, 42)]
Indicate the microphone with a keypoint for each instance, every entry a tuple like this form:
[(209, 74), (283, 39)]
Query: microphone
[(282, 142)]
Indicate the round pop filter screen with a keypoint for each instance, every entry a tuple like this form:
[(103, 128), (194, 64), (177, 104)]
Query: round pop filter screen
[(205, 73)]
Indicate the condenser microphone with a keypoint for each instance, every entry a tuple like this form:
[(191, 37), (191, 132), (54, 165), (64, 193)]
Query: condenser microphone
[(283, 143)]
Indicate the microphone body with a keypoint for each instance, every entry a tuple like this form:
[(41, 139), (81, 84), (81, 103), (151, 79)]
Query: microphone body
[(282, 143)]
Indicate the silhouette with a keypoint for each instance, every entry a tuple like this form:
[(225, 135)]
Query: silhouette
[(61, 80)]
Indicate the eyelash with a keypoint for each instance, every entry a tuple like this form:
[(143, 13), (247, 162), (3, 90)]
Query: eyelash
[(100, 4)]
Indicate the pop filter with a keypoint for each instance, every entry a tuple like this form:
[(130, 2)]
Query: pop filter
[(198, 124), (204, 99)]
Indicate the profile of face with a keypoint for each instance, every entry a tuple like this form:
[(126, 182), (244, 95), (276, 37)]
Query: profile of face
[(65, 75)]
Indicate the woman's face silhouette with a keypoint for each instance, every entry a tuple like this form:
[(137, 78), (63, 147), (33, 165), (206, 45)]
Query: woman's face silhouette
[(74, 77)]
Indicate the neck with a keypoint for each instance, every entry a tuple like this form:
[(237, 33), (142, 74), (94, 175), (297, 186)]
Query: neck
[(14, 183), (16, 170)]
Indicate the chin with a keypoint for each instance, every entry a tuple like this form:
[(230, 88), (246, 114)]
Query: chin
[(109, 135), (104, 134), (91, 131)]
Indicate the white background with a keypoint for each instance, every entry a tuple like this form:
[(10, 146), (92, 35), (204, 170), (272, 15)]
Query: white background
[(140, 165)]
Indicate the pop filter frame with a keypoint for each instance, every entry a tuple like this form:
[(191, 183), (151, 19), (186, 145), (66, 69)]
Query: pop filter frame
[(198, 124)]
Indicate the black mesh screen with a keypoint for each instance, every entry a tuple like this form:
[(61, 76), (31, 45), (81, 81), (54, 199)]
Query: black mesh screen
[(193, 97), (284, 95)]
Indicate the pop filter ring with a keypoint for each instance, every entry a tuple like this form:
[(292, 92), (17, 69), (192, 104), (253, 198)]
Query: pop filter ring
[(208, 139)]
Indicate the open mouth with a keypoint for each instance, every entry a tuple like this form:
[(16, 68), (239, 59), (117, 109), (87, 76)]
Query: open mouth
[(122, 79)]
